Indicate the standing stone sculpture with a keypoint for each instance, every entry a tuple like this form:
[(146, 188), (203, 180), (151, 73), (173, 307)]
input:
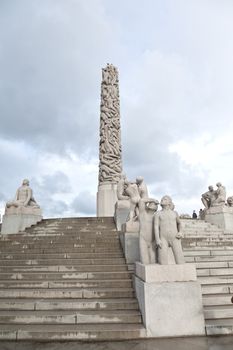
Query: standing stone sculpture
[(142, 188), (121, 195), (147, 208), (110, 159), (167, 227), (22, 212), (134, 197)]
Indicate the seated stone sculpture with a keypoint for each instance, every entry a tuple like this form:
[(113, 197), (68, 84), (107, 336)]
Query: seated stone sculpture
[(208, 197), (220, 195), (167, 227), (147, 208), (24, 197)]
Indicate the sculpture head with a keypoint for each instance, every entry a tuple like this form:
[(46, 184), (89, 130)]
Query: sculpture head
[(211, 188), (139, 180), (166, 202), (25, 182), (218, 184), (153, 206)]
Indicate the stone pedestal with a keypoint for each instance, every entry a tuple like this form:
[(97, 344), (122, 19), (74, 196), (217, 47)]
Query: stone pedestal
[(18, 219), (130, 241), (170, 300), (106, 199), (122, 209), (222, 216)]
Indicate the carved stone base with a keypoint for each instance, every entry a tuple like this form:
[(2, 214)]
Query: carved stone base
[(170, 300), (106, 199), (122, 209), (222, 216), (18, 219)]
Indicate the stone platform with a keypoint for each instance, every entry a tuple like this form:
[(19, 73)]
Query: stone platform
[(170, 300)]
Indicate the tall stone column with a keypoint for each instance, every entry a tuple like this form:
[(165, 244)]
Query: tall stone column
[(110, 163)]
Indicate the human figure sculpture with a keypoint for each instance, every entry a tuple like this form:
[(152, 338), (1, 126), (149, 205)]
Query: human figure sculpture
[(142, 188), (220, 195), (147, 208), (121, 188), (208, 197), (230, 201), (134, 197), (167, 227), (24, 197)]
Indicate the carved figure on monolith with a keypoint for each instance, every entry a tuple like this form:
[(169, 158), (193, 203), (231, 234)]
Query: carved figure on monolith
[(147, 208), (167, 228)]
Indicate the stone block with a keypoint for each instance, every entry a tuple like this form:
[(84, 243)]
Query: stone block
[(171, 309), (106, 199), (166, 273), (130, 242), (18, 219), (122, 209), (222, 216)]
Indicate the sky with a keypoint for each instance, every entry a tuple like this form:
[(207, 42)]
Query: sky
[(176, 92)]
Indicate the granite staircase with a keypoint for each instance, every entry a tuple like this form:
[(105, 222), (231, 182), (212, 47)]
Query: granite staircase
[(67, 279), (211, 249)]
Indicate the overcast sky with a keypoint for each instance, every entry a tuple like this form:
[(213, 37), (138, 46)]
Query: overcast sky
[(176, 87)]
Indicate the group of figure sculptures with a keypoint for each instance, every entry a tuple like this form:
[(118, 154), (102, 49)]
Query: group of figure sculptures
[(213, 198), (158, 230), (110, 166)]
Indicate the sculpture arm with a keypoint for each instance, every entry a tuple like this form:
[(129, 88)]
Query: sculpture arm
[(29, 196), (17, 195), (156, 231), (178, 223)]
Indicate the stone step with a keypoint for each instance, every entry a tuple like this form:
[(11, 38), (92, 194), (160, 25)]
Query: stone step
[(211, 264), (102, 250), (59, 237), (64, 268), (54, 245), (218, 258), (206, 280), (217, 289), (71, 332), (219, 326), (68, 304), (22, 256), (69, 317), (68, 293), (73, 262), (66, 275), (216, 312), (208, 252), (215, 272), (217, 299), (67, 284)]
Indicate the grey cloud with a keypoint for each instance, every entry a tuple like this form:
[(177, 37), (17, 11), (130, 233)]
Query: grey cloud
[(84, 203)]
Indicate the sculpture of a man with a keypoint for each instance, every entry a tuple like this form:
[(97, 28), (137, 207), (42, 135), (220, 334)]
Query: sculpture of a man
[(134, 197), (121, 188), (147, 208), (24, 197), (142, 188), (167, 227), (208, 197), (220, 194)]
